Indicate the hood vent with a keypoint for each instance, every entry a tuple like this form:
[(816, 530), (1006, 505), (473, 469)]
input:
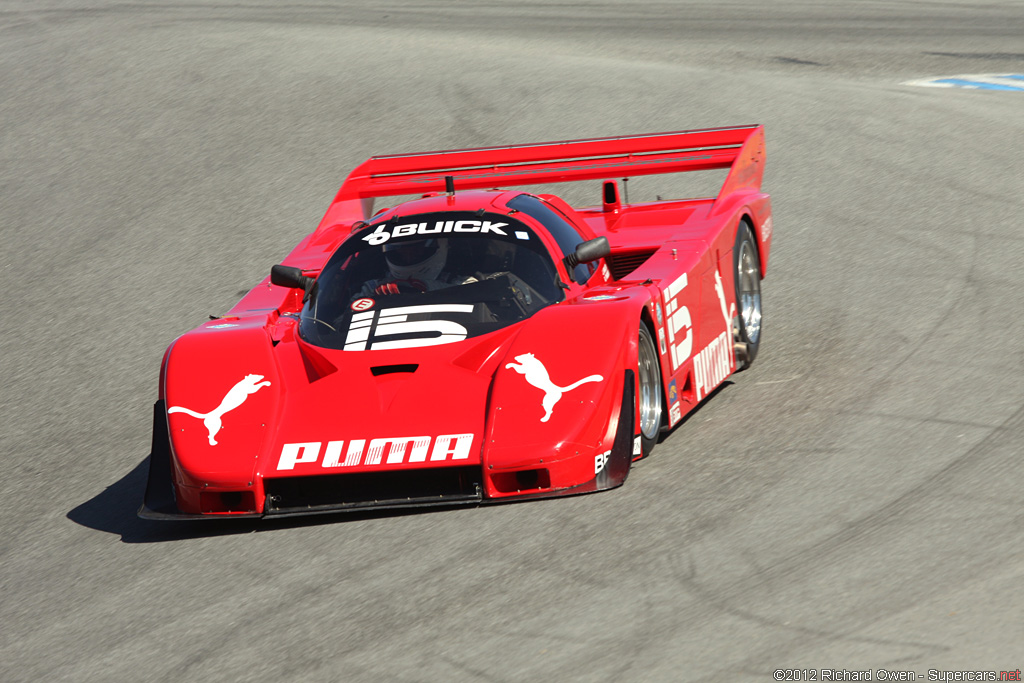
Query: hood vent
[(379, 370)]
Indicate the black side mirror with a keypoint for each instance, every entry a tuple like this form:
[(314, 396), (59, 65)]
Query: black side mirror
[(588, 251), (288, 276)]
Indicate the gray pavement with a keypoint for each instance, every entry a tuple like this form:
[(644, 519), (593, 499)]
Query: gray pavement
[(851, 502)]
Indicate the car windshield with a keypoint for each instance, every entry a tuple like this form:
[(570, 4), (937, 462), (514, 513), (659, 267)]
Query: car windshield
[(429, 279)]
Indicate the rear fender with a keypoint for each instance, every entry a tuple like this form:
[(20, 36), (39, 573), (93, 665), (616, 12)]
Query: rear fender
[(755, 208)]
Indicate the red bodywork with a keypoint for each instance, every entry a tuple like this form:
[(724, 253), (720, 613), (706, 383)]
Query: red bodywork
[(254, 420)]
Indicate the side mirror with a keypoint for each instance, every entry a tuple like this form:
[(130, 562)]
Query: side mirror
[(588, 251), (288, 276)]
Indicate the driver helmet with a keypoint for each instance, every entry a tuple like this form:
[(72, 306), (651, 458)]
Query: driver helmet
[(416, 260)]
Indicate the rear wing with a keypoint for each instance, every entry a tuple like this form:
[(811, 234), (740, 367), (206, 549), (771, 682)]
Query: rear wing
[(740, 148)]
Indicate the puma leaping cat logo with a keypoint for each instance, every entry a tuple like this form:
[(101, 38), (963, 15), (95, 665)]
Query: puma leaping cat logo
[(537, 375), (727, 314), (235, 397)]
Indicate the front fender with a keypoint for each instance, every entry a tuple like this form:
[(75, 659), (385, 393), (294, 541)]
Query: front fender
[(557, 395), (221, 390)]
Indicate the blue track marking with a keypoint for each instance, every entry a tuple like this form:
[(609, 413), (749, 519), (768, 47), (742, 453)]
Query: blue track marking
[(977, 85), (1005, 82)]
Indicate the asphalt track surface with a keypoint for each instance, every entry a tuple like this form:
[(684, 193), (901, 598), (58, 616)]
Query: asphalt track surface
[(852, 502)]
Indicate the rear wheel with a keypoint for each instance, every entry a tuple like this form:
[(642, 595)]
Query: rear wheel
[(747, 332), (649, 394)]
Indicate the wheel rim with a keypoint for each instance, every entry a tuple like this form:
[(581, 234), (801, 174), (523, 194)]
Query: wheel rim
[(650, 391), (750, 292)]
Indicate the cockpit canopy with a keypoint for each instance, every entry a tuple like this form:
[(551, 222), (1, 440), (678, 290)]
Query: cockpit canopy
[(427, 279)]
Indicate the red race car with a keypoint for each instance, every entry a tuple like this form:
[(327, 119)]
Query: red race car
[(475, 344)]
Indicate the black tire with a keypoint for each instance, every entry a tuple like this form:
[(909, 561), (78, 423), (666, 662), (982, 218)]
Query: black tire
[(747, 272), (649, 396)]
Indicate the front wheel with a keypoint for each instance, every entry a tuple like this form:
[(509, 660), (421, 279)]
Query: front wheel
[(747, 328), (648, 391)]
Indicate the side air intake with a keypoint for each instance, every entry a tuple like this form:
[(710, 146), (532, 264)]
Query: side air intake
[(622, 263)]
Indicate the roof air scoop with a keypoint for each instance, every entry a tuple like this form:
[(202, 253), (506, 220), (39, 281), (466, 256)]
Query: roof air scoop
[(610, 196)]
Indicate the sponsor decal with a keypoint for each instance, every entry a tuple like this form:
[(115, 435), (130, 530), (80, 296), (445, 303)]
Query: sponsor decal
[(637, 446), (716, 361), (675, 411), (396, 450), (521, 235), (657, 311), (766, 229), (383, 233), (370, 330), (235, 397), (678, 324), (600, 461), (712, 364), (537, 375), (727, 313), (362, 304)]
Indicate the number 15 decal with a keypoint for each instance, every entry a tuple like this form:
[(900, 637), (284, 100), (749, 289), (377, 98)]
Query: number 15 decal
[(678, 321), (368, 327)]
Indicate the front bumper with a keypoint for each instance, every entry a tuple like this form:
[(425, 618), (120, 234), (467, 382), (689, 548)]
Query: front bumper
[(323, 494)]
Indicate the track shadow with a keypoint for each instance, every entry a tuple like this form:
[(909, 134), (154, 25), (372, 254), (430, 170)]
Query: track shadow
[(115, 509), (686, 418)]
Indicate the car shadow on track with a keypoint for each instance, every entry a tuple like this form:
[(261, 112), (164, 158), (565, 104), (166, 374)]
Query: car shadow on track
[(666, 433), (115, 509)]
